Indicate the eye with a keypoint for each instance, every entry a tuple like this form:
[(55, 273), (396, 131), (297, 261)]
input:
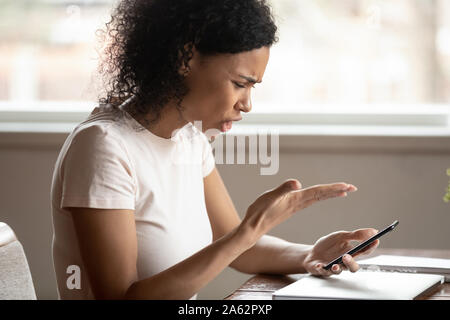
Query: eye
[(239, 85)]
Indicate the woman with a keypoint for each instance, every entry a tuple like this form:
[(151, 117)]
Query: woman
[(132, 221)]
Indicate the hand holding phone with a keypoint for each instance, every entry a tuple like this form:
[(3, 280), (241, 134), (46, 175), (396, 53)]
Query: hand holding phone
[(362, 245)]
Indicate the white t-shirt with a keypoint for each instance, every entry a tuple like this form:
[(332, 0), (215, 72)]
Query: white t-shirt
[(105, 163)]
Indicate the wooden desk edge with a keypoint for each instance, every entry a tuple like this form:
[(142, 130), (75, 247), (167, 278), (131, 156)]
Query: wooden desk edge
[(261, 286)]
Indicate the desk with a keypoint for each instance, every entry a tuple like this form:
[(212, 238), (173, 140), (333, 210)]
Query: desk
[(260, 287)]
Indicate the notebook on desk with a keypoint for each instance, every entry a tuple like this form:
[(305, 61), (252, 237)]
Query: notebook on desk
[(361, 285), (408, 264)]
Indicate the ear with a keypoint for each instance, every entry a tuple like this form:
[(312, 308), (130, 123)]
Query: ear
[(189, 49)]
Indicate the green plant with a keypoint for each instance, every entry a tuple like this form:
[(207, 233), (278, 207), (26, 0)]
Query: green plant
[(447, 195)]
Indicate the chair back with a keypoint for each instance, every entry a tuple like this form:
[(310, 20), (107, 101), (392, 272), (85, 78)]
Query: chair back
[(15, 276)]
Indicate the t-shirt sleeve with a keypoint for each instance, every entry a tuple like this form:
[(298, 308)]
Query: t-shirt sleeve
[(96, 172), (209, 162)]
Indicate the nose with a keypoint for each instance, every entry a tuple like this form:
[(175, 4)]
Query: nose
[(245, 105)]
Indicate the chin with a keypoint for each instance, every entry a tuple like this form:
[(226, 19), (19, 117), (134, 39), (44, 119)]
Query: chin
[(211, 131)]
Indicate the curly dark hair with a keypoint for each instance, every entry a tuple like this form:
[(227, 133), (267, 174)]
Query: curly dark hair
[(148, 41)]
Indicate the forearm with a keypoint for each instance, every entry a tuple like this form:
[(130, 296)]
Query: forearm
[(186, 278), (272, 255)]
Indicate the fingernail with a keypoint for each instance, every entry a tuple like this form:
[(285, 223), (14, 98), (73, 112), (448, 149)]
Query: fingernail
[(346, 257)]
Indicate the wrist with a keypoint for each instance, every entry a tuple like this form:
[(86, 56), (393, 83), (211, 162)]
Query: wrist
[(303, 257)]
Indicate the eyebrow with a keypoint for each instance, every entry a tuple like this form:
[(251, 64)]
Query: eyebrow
[(250, 79)]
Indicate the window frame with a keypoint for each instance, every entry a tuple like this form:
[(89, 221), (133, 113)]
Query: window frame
[(424, 115)]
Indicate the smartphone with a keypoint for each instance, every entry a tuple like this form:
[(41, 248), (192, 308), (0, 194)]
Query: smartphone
[(362, 245)]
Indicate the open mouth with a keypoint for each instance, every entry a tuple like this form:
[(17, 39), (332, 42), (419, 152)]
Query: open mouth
[(226, 126)]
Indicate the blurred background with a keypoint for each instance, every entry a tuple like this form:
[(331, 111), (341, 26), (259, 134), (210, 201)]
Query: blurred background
[(345, 59), (347, 51)]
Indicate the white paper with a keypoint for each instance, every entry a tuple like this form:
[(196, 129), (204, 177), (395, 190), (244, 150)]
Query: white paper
[(408, 262), (360, 285)]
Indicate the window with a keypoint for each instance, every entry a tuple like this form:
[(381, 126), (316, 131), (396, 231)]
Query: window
[(358, 52), (346, 52), (48, 49)]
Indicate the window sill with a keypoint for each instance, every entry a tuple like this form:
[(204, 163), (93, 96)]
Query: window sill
[(292, 138), (414, 128)]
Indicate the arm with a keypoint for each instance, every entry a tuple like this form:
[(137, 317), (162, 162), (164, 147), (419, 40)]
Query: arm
[(108, 246), (274, 255), (269, 254)]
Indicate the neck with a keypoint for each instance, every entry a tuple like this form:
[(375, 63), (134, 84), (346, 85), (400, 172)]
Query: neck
[(170, 120)]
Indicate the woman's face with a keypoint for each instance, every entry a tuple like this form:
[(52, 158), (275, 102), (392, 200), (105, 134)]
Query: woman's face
[(220, 87)]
